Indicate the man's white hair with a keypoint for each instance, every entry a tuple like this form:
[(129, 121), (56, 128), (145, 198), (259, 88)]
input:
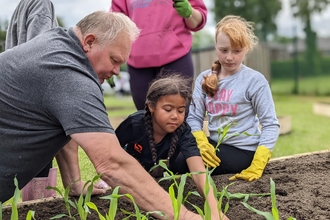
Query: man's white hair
[(107, 26)]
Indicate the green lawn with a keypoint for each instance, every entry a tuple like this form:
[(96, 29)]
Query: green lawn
[(310, 132), (306, 86), (119, 106)]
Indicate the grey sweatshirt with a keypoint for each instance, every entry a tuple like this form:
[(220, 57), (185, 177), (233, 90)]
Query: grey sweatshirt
[(243, 99), (30, 18)]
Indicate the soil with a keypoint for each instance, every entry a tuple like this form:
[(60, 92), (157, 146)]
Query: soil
[(301, 182)]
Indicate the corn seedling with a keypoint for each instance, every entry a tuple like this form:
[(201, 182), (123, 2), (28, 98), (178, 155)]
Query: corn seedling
[(225, 194), (138, 214), (66, 200), (178, 200), (14, 210), (206, 214), (79, 205), (14, 202), (223, 134), (274, 215), (30, 215), (113, 207)]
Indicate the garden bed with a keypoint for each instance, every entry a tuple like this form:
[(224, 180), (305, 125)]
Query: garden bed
[(301, 182)]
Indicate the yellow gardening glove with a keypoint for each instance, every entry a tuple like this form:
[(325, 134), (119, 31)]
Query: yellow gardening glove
[(206, 149), (255, 170)]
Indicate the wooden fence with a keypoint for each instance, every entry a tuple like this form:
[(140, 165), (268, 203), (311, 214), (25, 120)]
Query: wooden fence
[(258, 59)]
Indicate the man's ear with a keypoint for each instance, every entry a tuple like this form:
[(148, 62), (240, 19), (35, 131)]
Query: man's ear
[(88, 42)]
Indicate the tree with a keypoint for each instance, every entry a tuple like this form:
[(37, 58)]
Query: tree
[(202, 39), (303, 9), (261, 12), (60, 21)]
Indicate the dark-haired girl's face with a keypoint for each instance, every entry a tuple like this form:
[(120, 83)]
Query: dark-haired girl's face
[(168, 114)]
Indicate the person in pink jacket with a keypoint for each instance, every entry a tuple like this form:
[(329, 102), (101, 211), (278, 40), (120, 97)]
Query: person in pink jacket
[(165, 40)]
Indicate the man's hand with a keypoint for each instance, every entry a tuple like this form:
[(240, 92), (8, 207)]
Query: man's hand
[(77, 188), (183, 8)]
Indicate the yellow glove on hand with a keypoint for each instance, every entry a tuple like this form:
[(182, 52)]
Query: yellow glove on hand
[(206, 149), (255, 170)]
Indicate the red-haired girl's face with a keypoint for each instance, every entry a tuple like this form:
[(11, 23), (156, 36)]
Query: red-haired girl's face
[(230, 58)]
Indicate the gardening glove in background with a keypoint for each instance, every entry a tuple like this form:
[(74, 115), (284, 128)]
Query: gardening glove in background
[(111, 82), (206, 149), (255, 170), (183, 7)]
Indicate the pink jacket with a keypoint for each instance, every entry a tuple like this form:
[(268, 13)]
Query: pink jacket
[(164, 36)]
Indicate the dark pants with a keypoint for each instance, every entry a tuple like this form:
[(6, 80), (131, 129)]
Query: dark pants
[(140, 78), (233, 160)]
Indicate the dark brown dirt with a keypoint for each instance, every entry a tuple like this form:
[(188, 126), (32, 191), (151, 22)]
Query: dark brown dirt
[(302, 191)]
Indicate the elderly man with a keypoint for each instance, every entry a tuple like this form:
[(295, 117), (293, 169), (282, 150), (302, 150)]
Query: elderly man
[(50, 93)]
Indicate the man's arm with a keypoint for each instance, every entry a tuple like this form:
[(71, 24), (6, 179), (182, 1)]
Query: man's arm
[(118, 168), (67, 160)]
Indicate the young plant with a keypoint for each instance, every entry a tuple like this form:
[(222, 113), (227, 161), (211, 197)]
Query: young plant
[(66, 200), (274, 215), (225, 194), (223, 134), (14, 210), (80, 205), (30, 215), (178, 200), (14, 202), (113, 207), (206, 213)]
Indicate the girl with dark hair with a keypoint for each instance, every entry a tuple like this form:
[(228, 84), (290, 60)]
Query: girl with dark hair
[(160, 133)]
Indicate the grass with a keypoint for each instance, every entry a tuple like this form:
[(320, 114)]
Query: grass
[(119, 106), (309, 132), (306, 86)]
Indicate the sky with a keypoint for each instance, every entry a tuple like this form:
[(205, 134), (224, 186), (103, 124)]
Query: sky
[(71, 11)]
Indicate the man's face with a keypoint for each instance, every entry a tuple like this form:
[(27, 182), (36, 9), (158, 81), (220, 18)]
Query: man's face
[(106, 60)]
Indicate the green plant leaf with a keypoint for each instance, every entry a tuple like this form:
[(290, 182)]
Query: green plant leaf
[(91, 205), (59, 216), (0, 210), (14, 209), (267, 215), (30, 215), (273, 197)]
